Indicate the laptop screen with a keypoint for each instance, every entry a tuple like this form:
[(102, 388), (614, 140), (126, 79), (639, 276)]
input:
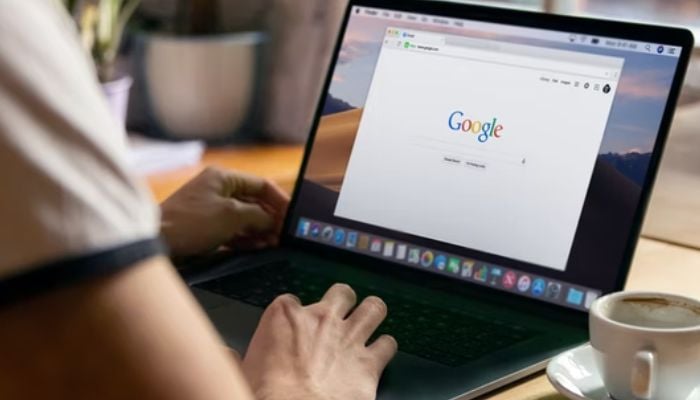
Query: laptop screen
[(500, 155)]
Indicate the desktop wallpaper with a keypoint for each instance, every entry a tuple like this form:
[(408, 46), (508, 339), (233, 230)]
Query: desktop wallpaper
[(627, 143)]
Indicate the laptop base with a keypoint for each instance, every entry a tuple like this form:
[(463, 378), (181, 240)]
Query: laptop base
[(470, 345)]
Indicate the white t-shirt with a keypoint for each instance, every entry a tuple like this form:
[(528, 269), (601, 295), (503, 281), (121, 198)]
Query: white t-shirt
[(68, 208)]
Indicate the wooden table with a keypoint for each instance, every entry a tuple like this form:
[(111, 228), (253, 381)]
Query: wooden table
[(656, 266)]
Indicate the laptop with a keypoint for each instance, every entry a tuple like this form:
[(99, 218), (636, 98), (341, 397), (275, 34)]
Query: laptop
[(484, 171)]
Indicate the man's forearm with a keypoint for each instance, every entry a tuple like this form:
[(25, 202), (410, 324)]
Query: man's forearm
[(138, 334)]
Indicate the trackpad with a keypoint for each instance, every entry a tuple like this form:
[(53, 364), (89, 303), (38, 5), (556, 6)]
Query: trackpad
[(236, 323), (209, 300)]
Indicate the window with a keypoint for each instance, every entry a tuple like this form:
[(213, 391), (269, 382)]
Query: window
[(427, 125)]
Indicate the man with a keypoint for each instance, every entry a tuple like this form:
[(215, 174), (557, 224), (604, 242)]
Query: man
[(90, 307)]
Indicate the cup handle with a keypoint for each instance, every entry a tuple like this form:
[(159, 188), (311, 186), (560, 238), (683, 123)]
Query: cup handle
[(695, 394), (642, 379)]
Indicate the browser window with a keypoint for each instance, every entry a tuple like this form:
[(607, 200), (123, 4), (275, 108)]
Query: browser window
[(475, 134)]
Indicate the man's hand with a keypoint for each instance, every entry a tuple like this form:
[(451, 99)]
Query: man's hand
[(319, 351), (223, 208)]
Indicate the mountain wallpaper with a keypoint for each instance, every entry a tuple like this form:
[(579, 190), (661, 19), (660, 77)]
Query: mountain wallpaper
[(334, 105), (632, 165)]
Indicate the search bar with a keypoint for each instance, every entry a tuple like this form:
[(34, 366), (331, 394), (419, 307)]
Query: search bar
[(504, 55), (472, 43)]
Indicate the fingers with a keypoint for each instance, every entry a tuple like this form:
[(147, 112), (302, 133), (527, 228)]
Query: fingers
[(250, 243), (285, 309), (288, 299), (251, 218), (340, 299), (383, 349), (275, 197), (284, 305), (242, 185), (366, 318)]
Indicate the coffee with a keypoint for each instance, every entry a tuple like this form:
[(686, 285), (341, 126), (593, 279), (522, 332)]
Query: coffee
[(646, 345), (654, 312)]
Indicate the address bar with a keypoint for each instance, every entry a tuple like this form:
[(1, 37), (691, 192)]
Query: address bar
[(487, 51)]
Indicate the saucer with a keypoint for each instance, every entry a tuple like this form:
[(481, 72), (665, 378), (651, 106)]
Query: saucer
[(575, 375)]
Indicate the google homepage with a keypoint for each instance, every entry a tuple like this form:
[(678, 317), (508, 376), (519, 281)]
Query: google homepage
[(479, 144)]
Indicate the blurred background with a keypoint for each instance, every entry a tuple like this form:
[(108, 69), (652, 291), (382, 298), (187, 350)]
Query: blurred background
[(225, 72)]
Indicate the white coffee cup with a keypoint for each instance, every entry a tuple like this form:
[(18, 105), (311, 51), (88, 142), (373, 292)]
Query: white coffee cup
[(647, 345)]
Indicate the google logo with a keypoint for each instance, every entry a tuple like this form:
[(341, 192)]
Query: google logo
[(485, 130)]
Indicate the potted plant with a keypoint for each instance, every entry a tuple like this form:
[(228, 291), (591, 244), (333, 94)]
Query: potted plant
[(196, 67), (101, 24), (198, 74)]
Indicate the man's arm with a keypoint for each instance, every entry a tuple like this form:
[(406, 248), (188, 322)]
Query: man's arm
[(88, 310), (137, 334)]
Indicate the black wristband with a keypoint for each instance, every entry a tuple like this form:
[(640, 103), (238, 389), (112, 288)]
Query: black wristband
[(77, 269)]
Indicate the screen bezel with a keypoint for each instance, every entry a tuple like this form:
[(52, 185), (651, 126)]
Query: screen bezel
[(622, 30)]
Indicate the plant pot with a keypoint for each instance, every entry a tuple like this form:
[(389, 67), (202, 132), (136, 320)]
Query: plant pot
[(199, 87), (117, 94)]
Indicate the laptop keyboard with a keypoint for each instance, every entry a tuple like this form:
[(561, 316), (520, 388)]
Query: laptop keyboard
[(449, 337)]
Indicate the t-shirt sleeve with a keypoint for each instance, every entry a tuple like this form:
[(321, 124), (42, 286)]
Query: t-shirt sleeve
[(69, 210)]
